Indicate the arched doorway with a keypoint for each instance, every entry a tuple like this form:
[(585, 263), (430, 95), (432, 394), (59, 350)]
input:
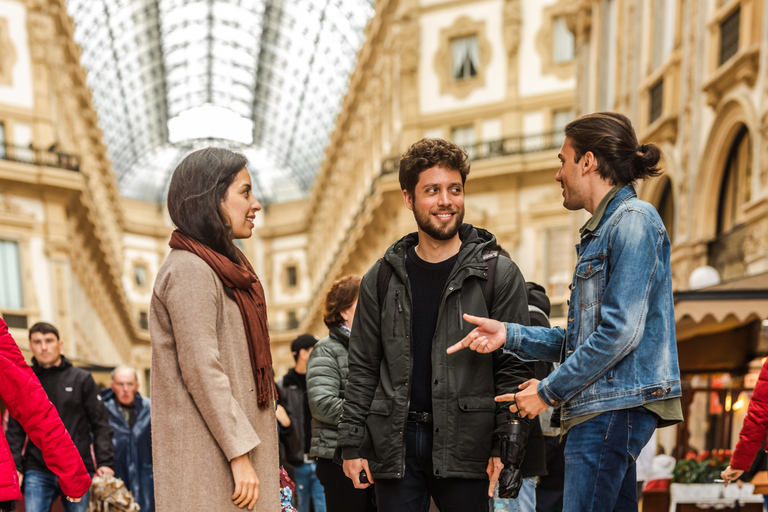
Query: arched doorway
[(725, 251)]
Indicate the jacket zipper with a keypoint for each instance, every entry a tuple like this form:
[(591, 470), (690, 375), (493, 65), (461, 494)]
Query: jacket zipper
[(461, 316), (399, 311), (410, 367)]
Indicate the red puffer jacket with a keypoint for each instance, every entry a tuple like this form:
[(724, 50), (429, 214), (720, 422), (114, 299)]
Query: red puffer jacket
[(755, 425), (27, 402)]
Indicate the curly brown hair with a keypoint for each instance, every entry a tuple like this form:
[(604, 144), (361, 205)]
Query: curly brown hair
[(428, 153), (341, 296)]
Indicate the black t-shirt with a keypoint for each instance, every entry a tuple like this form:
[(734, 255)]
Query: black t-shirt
[(427, 284)]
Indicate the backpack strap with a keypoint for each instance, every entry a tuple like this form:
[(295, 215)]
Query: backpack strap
[(382, 279), (491, 258)]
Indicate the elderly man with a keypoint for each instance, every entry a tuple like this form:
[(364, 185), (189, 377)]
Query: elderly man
[(130, 419)]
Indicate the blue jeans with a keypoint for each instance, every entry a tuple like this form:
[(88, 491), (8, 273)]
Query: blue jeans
[(308, 487), (42, 488), (525, 501), (600, 461), (411, 493)]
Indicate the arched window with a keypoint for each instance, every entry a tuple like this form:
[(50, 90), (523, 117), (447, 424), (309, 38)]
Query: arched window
[(735, 188), (666, 208)]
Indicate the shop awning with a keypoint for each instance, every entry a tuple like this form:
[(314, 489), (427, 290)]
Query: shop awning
[(716, 325), (722, 307)]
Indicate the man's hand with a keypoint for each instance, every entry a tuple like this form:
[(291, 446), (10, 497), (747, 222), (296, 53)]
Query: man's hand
[(246, 482), (21, 477), (493, 471), (282, 416), (73, 500), (528, 403), (730, 474), (488, 336), (104, 471), (352, 469)]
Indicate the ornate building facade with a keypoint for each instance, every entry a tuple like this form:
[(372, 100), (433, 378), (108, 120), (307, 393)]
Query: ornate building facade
[(61, 222), (693, 77), (495, 76)]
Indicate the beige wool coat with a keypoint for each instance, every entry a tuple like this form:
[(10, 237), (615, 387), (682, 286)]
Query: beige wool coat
[(204, 401)]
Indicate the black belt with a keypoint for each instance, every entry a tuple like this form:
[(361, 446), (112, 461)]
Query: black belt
[(420, 417)]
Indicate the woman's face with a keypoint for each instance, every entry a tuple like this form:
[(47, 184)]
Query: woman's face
[(239, 205), (349, 314)]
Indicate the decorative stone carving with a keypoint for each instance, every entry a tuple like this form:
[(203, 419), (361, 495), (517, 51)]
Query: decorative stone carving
[(579, 19), (756, 242), (7, 54), (408, 44), (513, 22), (462, 27)]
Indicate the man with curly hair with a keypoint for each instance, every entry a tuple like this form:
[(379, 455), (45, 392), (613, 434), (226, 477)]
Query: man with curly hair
[(415, 420)]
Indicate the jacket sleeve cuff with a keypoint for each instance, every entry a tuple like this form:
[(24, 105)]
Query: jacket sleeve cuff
[(349, 453), (513, 338), (546, 394)]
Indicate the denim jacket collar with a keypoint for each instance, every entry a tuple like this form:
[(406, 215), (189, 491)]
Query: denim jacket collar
[(623, 195)]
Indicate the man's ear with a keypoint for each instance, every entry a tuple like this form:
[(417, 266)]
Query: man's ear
[(588, 163), (408, 200)]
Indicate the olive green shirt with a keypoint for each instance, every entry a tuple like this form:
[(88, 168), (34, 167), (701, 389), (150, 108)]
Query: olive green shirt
[(669, 411)]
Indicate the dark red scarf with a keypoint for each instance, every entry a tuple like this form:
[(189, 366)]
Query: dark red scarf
[(249, 295)]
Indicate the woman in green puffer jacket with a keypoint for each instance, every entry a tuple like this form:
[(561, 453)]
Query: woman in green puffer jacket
[(327, 372)]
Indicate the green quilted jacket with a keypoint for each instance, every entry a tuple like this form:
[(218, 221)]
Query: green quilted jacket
[(327, 372)]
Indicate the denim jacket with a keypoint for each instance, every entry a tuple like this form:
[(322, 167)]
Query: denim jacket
[(619, 349)]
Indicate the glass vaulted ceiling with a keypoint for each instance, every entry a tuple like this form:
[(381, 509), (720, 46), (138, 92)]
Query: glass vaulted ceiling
[(264, 77)]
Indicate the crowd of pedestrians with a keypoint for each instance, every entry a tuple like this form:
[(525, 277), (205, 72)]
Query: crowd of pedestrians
[(428, 388)]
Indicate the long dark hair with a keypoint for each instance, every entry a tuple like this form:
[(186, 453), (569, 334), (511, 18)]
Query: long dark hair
[(198, 186), (611, 138)]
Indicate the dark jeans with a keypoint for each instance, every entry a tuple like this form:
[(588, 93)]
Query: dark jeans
[(41, 490), (411, 493), (340, 492), (600, 461)]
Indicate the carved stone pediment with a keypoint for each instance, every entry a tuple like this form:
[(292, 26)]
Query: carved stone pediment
[(741, 68)]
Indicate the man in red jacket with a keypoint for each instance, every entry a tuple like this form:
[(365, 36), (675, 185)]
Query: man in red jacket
[(27, 402)]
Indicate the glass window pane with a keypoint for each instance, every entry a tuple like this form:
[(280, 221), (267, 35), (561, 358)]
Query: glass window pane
[(729, 36), (10, 276), (563, 42), (465, 57)]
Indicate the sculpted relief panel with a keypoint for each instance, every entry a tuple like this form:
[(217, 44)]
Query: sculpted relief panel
[(7, 54)]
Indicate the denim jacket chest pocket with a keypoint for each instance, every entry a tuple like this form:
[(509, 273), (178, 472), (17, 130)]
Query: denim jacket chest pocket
[(589, 280)]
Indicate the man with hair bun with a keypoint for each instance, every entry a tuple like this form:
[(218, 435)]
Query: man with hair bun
[(619, 377)]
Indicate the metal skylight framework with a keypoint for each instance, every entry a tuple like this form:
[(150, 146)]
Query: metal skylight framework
[(264, 77)]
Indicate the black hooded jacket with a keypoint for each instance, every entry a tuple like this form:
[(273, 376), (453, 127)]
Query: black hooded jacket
[(380, 365), (76, 397)]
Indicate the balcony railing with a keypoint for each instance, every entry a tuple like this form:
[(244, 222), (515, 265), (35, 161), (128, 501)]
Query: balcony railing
[(27, 155), (519, 145)]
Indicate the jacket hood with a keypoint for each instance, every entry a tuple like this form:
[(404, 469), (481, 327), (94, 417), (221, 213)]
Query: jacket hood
[(65, 363), (473, 242)]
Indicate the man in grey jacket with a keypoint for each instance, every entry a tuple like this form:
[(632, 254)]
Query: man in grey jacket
[(418, 421)]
